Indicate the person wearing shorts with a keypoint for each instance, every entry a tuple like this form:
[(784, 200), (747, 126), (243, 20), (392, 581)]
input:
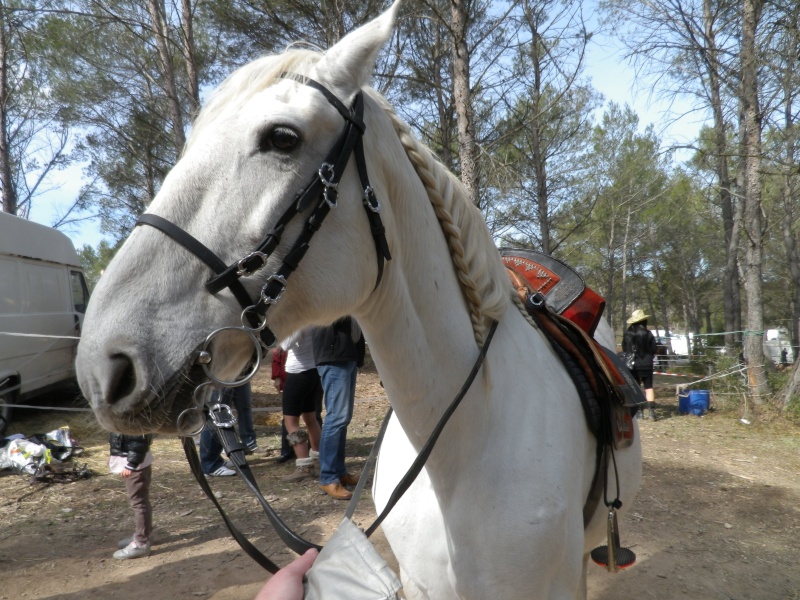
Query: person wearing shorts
[(641, 342), (302, 399)]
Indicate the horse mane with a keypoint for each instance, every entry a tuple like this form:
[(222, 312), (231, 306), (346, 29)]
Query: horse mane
[(475, 258)]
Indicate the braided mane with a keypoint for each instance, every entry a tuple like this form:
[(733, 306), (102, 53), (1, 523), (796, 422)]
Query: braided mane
[(476, 260)]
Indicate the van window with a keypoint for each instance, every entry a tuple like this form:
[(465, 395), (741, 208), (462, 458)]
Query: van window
[(45, 288), (9, 287), (80, 293)]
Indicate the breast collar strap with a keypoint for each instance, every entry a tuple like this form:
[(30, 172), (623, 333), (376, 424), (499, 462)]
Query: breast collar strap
[(322, 189)]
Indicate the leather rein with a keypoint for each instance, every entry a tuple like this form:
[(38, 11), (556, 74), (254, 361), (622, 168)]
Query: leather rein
[(322, 189)]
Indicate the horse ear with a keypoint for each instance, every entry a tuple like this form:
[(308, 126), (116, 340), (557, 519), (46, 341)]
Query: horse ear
[(350, 62)]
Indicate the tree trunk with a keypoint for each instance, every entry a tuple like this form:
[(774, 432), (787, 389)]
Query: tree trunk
[(168, 72), (730, 278), (610, 269), (467, 144), (789, 174), (662, 293), (442, 103), (6, 178), (624, 285), (539, 159), (187, 30), (754, 244)]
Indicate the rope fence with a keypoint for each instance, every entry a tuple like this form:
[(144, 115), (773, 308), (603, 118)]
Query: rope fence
[(737, 369), (40, 335)]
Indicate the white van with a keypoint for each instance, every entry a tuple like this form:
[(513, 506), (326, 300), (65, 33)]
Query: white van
[(43, 297)]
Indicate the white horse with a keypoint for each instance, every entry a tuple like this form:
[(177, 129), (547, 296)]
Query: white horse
[(497, 512)]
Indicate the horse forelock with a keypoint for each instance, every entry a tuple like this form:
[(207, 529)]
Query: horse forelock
[(247, 81), (475, 257)]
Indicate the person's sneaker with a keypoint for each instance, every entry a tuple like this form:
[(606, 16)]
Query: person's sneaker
[(335, 490), (223, 471), (228, 464), (133, 550), (124, 542), (348, 479), (251, 448), (301, 473)]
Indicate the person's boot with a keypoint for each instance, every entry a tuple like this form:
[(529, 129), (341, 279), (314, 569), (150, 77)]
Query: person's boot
[(652, 413), (287, 450), (304, 470)]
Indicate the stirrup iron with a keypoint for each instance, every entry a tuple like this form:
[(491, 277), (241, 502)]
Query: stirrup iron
[(613, 557)]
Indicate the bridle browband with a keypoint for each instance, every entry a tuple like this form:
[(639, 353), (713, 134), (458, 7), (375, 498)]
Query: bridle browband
[(322, 189)]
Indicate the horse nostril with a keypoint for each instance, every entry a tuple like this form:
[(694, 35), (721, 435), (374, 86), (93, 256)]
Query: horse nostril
[(122, 379)]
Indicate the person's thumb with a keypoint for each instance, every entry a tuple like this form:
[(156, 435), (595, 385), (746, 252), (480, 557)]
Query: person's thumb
[(302, 564)]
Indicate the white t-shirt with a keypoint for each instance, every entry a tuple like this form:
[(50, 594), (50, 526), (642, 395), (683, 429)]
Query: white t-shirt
[(299, 351)]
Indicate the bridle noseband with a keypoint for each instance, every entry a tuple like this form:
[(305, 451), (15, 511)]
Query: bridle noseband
[(322, 189)]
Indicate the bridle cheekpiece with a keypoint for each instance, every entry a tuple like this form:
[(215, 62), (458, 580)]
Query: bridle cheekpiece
[(321, 192)]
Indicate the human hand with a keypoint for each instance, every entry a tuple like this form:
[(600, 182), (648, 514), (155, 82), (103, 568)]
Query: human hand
[(287, 584), (126, 473)]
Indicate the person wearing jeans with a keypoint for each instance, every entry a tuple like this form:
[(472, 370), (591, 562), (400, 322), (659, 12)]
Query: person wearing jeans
[(211, 459), (338, 353)]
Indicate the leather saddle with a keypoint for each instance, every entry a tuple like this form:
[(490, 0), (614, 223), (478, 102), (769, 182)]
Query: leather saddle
[(567, 312)]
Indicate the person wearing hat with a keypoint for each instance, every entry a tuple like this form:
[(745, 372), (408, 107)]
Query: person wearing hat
[(640, 341)]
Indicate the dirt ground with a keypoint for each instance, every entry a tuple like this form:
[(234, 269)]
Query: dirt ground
[(718, 515)]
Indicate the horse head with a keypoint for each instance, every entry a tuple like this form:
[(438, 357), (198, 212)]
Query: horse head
[(264, 135)]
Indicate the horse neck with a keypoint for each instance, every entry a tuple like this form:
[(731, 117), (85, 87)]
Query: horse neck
[(417, 324), (421, 339)]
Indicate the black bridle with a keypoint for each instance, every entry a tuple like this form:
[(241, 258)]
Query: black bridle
[(322, 189)]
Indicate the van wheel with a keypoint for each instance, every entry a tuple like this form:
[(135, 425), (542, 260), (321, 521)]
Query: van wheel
[(6, 398)]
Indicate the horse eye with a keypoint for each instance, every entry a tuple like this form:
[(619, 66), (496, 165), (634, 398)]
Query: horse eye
[(280, 138)]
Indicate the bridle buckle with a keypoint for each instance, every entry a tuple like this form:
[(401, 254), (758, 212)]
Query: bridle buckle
[(280, 280), (243, 267), (222, 416), (326, 174), (371, 200)]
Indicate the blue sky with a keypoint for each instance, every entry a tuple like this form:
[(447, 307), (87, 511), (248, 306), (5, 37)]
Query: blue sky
[(609, 74)]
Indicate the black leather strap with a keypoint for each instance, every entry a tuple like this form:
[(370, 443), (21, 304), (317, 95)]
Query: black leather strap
[(423, 455), (235, 450), (372, 208), (348, 115), (197, 248), (373, 456), (253, 552)]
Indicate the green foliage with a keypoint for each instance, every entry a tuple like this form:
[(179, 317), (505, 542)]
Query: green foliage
[(643, 232), (95, 260), (792, 410)]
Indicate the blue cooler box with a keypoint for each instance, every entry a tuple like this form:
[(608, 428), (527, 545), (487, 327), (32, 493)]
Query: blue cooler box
[(695, 402)]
